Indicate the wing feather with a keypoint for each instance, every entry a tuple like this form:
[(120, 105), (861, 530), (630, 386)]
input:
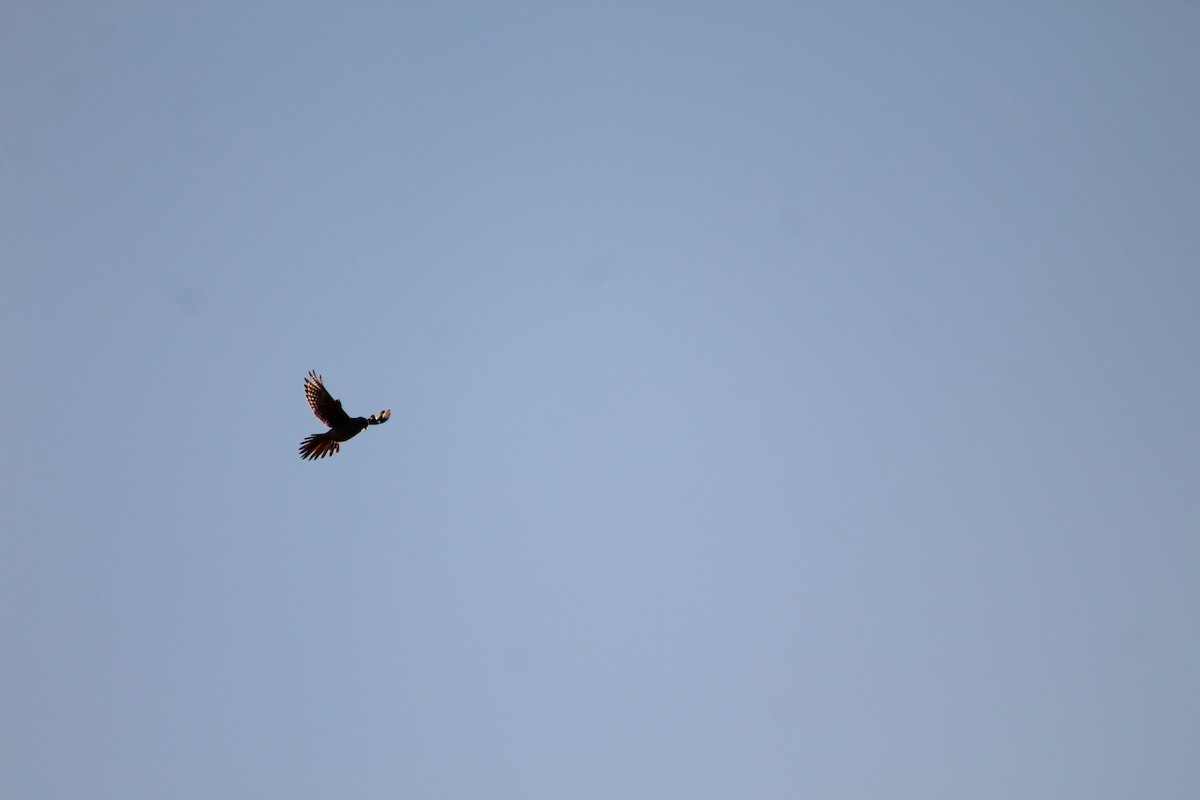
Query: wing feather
[(323, 404)]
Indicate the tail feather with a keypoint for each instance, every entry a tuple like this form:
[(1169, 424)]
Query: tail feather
[(318, 445)]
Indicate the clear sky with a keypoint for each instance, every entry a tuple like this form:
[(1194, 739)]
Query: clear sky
[(788, 400)]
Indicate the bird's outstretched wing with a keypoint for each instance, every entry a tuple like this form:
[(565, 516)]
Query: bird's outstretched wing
[(327, 409)]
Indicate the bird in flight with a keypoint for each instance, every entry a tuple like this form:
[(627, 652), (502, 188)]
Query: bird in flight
[(329, 410)]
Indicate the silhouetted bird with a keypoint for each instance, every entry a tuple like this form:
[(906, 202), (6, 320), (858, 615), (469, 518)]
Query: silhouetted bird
[(341, 425)]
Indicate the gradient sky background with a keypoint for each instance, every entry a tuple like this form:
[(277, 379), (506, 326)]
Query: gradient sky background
[(789, 400)]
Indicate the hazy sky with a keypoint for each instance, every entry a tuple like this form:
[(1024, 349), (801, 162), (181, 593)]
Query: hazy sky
[(788, 400)]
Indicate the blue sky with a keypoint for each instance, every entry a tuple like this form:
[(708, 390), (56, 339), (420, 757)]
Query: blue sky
[(788, 400)]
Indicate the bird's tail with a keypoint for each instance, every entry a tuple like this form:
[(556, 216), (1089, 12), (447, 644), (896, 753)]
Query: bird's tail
[(318, 445)]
